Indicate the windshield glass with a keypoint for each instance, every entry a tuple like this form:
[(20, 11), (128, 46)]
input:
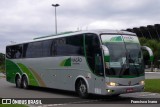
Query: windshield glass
[(134, 52), (125, 56), (135, 60), (117, 53)]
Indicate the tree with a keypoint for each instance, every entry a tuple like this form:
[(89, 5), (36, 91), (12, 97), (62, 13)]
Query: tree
[(2, 62), (155, 46)]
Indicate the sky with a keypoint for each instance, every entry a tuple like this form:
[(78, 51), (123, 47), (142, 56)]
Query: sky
[(23, 20)]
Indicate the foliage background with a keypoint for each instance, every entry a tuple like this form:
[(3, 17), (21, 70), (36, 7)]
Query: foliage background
[(155, 46), (2, 62)]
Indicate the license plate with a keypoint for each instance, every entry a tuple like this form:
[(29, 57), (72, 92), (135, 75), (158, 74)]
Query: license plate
[(129, 90)]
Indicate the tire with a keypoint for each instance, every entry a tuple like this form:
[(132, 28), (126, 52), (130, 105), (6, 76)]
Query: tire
[(18, 82), (25, 82), (115, 96), (82, 89)]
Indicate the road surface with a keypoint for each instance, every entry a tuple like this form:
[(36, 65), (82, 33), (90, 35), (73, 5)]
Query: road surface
[(8, 90)]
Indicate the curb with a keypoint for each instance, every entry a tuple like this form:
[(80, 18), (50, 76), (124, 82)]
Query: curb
[(153, 72)]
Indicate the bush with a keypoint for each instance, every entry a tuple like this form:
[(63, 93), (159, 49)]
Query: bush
[(155, 46), (2, 62)]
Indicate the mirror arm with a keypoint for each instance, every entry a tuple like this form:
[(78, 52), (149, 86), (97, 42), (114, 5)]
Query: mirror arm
[(149, 50)]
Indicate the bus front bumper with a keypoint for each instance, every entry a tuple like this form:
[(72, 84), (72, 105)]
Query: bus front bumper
[(114, 90)]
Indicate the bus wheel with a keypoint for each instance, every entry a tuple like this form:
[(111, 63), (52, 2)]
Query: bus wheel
[(116, 95), (18, 82), (82, 89), (24, 82)]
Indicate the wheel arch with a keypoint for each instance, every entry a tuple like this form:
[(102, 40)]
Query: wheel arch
[(79, 78), (24, 74)]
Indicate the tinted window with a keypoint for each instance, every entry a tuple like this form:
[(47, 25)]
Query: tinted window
[(14, 52), (65, 46), (69, 46), (48, 48), (33, 50)]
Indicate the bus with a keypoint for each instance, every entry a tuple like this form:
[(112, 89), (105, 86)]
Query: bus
[(103, 62)]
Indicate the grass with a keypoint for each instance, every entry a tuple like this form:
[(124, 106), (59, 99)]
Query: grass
[(152, 85), (12, 105)]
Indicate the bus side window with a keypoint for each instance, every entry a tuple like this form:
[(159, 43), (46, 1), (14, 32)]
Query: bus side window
[(32, 50), (48, 48), (14, 52), (72, 46)]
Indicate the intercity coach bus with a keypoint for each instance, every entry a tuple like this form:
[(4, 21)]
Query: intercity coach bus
[(104, 62)]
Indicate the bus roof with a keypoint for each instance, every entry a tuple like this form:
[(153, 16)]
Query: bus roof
[(66, 34)]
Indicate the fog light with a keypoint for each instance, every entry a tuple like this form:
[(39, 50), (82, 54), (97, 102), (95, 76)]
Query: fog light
[(110, 91)]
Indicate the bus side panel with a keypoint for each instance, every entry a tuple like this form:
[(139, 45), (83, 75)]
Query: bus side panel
[(11, 70), (52, 72)]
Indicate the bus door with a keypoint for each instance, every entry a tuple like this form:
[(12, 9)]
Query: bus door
[(95, 62)]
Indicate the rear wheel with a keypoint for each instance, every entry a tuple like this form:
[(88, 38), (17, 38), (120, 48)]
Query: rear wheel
[(25, 82), (18, 82), (82, 89)]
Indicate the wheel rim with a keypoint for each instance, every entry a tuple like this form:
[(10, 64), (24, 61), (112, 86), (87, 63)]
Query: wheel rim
[(25, 84), (82, 88), (18, 82)]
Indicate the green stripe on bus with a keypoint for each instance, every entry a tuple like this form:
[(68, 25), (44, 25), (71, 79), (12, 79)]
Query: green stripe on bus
[(32, 79), (66, 62), (106, 58), (11, 70)]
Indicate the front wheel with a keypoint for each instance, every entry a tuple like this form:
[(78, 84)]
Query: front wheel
[(25, 82), (82, 89)]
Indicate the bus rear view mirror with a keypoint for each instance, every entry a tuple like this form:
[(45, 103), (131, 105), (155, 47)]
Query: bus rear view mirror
[(149, 50), (106, 53)]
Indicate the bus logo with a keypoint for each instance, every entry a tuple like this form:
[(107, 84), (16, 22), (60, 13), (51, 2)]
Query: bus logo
[(128, 38), (77, 60), (70, 61), (116, 39)]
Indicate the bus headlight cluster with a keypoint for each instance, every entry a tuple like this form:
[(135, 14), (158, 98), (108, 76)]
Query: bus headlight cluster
[(112, 84), (141, 82)]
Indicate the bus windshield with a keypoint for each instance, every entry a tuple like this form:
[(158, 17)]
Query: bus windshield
[(125, 57), (134, 52), (117, 53)]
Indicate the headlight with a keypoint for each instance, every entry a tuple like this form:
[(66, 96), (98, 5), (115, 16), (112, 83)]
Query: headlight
[(112, 84), (141, 82)]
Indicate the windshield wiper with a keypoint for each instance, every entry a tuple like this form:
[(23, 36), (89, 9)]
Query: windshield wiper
[(134, 64), (123, 68)]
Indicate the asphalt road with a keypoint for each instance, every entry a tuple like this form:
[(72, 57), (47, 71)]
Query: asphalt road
[(8, 90)]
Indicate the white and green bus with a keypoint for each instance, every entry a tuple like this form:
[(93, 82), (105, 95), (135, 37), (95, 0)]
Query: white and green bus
[(104, 62)]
